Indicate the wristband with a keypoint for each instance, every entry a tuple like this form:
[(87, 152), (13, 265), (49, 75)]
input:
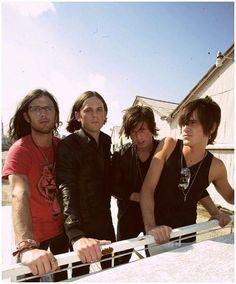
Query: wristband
[(25, 245), (28, 242), (23, 249)]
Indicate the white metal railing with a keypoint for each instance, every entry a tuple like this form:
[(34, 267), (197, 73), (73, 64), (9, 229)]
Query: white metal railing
[(10, 272)]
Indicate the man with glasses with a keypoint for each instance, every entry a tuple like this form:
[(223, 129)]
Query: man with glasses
[(30, 169), (180, 172)]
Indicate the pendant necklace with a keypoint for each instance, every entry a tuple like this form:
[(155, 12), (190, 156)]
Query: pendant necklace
[(185, 188), (51, 165), (137, 164)]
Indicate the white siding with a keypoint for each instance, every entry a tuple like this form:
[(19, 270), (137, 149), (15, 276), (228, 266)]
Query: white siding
[(220, 87), (161, 111), (218, 84)]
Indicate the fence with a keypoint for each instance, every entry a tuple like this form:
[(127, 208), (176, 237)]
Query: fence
[(11, 272)]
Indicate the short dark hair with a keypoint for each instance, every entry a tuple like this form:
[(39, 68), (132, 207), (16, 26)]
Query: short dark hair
[(18, 126), (73, 123), (136, 114), (209, 114)]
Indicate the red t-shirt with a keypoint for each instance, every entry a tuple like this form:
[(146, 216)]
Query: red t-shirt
[(25, 158)]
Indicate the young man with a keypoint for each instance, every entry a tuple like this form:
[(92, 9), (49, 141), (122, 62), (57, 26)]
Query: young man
[(180, 172), (30, 169), (83, 170), (130, 165)]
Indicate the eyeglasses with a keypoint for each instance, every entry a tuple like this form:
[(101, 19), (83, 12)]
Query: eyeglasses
[(184, 179), (38, 110)]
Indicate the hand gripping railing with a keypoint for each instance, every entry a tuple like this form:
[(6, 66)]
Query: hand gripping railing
[(14, 270)]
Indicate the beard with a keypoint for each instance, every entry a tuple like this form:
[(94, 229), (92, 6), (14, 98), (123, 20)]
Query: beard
[(43, 130)]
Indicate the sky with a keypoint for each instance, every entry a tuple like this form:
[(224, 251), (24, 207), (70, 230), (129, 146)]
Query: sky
[(158, 50)]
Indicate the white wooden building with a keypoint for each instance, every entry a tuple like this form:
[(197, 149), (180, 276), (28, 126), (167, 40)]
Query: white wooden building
[(218, 83), (162, 110), (115, 138)]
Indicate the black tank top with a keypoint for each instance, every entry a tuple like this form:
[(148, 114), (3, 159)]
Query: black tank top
[(170, 208)]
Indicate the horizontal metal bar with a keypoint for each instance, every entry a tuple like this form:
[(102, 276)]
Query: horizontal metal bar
[(11, 271)]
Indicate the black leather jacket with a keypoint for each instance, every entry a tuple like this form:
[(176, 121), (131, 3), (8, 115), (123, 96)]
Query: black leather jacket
[(82, 169)]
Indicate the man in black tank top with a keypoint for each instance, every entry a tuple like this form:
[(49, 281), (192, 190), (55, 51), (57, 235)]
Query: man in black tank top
[(130, 165), (180, 172)]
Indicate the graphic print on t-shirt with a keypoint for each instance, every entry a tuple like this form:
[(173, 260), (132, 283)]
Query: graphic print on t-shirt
[(47, 188)]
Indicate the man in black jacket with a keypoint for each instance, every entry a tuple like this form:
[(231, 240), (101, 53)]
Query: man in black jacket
[(129, 168), (82, 171)]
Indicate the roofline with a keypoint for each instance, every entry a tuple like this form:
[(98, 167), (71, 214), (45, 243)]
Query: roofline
[(201, 82), (141, 97)]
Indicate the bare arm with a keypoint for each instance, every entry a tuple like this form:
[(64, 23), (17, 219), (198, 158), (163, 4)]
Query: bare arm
[(39, 261), (218, 176), (161, 234), (215, 213), (147, 194), (22, 222), (151, 180)]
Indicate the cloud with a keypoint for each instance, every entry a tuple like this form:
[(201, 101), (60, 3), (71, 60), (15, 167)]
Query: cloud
[(30, 9)]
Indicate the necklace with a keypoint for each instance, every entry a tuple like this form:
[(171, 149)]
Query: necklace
[(51, 165), (187, 174), (139, 161), (137, 164)]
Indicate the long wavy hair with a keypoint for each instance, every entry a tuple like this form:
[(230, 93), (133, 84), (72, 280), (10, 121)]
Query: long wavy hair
[(73, 123), (18, 126)]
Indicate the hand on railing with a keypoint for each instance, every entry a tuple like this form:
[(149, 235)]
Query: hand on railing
[(223, 218), (14, 270), (161, 234), (39, 261), (88, 249)]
